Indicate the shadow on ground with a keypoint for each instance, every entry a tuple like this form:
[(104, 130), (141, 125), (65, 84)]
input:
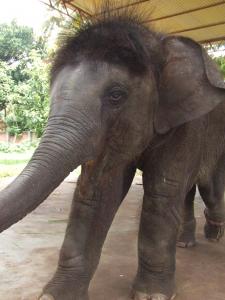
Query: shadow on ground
[(29, 253)]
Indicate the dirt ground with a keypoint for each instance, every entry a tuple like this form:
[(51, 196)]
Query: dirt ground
[(29, 253)]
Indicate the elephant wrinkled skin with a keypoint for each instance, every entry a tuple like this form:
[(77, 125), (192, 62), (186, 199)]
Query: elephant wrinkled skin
[(124, 97)]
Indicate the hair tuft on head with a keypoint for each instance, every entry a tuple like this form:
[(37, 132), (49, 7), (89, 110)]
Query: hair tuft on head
[(115, 35)]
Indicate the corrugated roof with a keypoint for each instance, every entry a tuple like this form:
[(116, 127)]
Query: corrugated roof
[(202, 20)]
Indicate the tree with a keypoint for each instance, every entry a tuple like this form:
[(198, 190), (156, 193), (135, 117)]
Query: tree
[(23, 79), (28, 108), (6, 84), (15, 41), (221, 63), (217, 52)]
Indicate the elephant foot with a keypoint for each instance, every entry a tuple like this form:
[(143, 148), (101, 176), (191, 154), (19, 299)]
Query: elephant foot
[(65, 286), (214, 230), (143, 296), (186, 238), (186, 244), (72, 297)]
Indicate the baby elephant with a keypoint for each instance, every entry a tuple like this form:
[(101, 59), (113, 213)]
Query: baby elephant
[(125, 97)]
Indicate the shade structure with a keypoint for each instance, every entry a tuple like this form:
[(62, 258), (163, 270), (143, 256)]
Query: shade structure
[(201, 20)]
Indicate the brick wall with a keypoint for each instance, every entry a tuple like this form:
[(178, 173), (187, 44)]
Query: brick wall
[(2, 126), (4, 137)]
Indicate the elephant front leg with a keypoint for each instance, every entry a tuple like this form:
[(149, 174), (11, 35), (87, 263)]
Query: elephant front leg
[(160, 221), (96, 200)]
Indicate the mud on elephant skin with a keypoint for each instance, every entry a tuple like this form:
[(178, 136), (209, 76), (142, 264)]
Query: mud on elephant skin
[(124, 97)]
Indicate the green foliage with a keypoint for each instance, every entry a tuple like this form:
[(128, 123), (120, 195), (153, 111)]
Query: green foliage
[(28, 109), (6, 84), (221, 63), (216, 51), (62, 23), (23, 79), (15, 41), (24, 72)]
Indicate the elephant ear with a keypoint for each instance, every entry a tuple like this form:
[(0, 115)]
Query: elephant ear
[(190, 84)]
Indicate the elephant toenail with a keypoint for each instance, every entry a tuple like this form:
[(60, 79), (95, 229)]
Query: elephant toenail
[(158, 297), (46, 297), (140, 296)]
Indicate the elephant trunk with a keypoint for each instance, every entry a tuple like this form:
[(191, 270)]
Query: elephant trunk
[(60, 151)]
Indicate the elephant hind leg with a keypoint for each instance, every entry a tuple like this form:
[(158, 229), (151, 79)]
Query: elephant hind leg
[(212, 194), (186, 237)]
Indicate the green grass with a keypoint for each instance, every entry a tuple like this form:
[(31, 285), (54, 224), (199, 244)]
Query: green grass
[(11, 164), (11, 171)]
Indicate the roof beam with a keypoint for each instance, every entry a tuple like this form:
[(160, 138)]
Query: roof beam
[(218, 39), (198, 27), (186, 12)]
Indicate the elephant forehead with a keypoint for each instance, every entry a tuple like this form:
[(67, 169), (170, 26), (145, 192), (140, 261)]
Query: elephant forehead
[(90, 77)]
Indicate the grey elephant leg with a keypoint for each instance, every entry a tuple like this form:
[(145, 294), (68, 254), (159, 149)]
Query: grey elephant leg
[(96, 200), (186, 237), (212, 194), (160, 221)]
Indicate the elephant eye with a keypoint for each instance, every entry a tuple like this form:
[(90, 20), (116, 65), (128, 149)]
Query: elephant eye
[(116, 96)]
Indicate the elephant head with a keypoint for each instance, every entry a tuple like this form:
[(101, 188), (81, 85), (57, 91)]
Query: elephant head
[(115, 86)]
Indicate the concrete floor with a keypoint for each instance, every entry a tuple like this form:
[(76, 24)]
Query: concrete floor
[(29, 253)]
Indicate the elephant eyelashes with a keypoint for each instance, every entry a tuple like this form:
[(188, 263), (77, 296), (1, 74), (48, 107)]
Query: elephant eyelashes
[(115, 96)]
